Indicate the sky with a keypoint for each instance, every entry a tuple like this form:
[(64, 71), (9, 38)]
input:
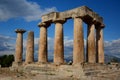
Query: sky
[(26, 14)]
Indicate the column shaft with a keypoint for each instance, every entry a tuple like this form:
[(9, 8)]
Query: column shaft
[(100, 45), (19, 48), (78, 48), (59, 44), (91, 52), (30, 47), (43, 45)]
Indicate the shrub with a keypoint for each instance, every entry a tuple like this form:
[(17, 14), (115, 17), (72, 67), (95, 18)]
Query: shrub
[(6, 60)]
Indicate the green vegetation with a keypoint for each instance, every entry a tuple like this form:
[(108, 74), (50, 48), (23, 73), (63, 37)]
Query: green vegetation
[(6, 60)]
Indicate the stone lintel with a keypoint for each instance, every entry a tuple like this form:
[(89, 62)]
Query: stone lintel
[(50, 17), (20, 31), (59, 20), (99, 26), (84, 12), (102, 25)]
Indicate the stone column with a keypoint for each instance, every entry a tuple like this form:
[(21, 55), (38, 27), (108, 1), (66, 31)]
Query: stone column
[(59, 42), (100, 45), (42, 53), (30, 47), (78, 47), (91, 48), (19, 45)]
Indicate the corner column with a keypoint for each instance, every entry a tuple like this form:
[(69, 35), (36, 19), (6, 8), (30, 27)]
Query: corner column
[(100, 45), (91, 48), (42, 51), (78, 48), (19, 45), (30, 48), (59, 42)]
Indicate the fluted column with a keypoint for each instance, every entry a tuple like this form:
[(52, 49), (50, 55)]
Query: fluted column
[(78, 47), (91, 49), (30, 47), (42, 52), (19, 45), (58, 42), (100, 45)]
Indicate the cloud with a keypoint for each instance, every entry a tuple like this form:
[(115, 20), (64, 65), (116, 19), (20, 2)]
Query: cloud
[(28, 10), (68, 46), (6, 45), (112, 47)]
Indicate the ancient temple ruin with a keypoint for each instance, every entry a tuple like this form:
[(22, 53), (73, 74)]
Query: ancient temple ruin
[(95, 47)]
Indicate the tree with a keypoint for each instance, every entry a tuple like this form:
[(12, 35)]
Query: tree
[(6, 60)]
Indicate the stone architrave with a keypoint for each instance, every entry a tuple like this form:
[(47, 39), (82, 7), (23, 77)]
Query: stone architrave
[(19, 45), (78, 47), (59, 42), (100, 45), (91, 49), (42, 53), (30, 47)]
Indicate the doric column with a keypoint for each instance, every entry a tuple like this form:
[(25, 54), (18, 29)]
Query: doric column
[(42, 52), (100, 45), (19, 45), (78, 47), (30, 48), (59, 43), (91, 49)]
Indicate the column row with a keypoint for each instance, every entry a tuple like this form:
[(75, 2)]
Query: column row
[(95, 47), (29, 46)]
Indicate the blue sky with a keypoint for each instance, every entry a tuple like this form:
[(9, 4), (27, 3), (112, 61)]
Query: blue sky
[(26, 14)]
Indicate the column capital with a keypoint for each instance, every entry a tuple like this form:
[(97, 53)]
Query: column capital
[(102, 25), (20, 31), (43, 24), (99, 25), (59, 21)]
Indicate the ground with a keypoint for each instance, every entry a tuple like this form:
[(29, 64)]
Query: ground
[(62, 72)]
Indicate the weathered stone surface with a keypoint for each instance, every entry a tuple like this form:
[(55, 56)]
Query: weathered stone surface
[(16, 64), (91, 49), (86, 71), (30, 47), (100, 45), (59, 43), (19, 45), (79, 14), (78, 47), (83, 12), (42, 53)]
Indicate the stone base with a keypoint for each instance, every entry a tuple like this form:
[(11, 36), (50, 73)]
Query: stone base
[(58, 64), (54, 70), (85, 71), (26, 63), (17, 64), (42, 62)]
